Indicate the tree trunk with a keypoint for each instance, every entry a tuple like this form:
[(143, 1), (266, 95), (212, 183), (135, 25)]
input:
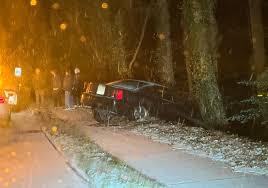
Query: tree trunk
[(257, 35), (164, 49), (119, 49), (201, 48)]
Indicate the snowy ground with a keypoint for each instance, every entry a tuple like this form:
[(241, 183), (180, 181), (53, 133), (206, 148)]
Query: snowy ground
[(98, 167), (241, 154)]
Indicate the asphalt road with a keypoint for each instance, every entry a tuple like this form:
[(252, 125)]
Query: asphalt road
[(28, 160)]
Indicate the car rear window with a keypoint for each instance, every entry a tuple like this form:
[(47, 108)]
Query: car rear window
[(128, 84)]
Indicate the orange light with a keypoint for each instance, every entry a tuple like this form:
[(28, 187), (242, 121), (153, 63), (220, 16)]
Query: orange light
[(54, 130), (104, 5), (6, 170), (83, 38), (13, 154), (33, 2), (63, 26), (162, 36), (1, 83), (55, 6)]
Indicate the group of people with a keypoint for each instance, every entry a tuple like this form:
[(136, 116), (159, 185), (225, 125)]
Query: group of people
[(71, 87)]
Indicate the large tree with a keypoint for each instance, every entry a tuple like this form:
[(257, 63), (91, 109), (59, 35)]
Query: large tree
[(164, 49), (201, 49), (257, 35)]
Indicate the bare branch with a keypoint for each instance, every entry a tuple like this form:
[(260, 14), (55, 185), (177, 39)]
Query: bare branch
[(141, 39)]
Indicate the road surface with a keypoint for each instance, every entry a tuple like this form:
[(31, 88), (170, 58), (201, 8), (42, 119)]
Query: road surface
[(28, 160)]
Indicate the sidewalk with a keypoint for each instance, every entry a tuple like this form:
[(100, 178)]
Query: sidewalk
[(160, 161), (172, 168)]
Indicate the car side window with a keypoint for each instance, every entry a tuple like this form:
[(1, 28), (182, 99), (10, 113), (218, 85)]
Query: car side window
[(149, 92)]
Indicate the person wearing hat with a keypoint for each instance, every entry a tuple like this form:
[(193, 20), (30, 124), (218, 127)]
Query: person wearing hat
[(77, 87)]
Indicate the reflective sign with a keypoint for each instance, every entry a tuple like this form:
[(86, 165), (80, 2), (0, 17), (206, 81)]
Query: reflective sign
[(18, 72)]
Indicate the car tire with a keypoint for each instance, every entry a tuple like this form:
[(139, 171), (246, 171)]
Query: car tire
[(140, 113), (97, 115)]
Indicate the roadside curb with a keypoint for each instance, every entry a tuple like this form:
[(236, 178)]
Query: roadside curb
[(67, 162)]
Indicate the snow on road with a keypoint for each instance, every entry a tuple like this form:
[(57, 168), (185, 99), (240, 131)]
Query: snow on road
[(27, 160)]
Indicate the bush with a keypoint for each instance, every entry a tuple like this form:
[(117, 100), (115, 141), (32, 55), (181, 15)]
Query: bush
[(254, 108)]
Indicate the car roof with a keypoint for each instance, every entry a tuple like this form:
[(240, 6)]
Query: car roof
[(131, 84)]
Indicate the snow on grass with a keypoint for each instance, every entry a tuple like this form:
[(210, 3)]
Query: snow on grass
[(100, 168), (242, 154)]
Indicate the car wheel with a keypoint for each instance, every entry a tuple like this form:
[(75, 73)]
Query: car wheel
[(140, 113)]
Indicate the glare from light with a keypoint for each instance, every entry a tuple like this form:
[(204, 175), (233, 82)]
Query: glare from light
[(33, 2), (83, 39), (6, 170), (54, 130), (63, 26), (162, 36), (13, 154), (55, 6), (104, 5)]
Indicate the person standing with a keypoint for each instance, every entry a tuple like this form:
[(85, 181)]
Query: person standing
[(39, 86), (56, 88), (77, 87), (67, 86)]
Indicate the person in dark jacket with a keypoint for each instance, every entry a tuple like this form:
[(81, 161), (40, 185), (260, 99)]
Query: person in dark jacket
[(78, 86), (67, 86), (39, 86), (56, 88)]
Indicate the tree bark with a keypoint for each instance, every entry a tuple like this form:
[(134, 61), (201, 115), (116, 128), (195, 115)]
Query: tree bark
[(119, 49), (201, 48), (164, 49), (257, 35)]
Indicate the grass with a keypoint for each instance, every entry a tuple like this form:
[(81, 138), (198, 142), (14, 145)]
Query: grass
[(101, 168)]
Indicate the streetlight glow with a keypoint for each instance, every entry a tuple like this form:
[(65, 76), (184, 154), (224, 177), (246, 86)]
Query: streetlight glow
[(33, 2), (63, 26), (83, 39), (162, 36), (55, 6), (104, 5)]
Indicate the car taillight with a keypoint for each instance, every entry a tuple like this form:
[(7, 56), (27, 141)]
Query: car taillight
[(2, 100), (118, 95)]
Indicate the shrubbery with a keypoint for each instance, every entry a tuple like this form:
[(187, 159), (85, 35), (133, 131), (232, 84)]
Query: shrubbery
[(255, 108)]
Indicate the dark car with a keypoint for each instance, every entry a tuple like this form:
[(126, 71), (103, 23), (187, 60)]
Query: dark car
[(5, 111), (137, 100)]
